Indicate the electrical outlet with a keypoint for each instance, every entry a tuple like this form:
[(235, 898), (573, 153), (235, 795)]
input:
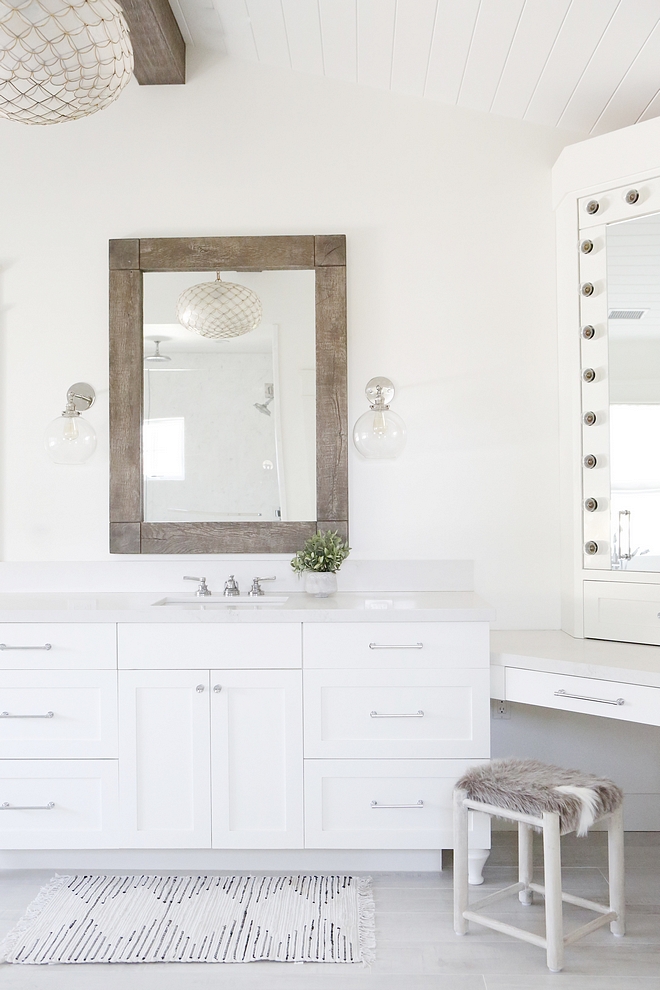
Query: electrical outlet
[(500, 709)]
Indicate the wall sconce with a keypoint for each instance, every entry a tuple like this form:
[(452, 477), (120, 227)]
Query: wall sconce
[(70, 439), (379, 432)]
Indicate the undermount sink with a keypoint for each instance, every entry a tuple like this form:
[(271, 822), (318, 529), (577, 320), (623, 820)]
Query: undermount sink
[(222, 601)]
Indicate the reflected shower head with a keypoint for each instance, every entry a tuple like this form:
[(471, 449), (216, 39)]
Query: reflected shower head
[(263, 406), (157, 357)]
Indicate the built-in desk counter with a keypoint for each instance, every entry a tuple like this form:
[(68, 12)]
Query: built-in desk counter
[(595, 677)]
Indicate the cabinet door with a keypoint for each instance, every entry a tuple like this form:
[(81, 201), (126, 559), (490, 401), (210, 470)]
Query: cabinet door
[(164, 758), (256, 740)]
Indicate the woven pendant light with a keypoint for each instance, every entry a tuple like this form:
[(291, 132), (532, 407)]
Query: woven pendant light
[(219, 309), (61, 60)]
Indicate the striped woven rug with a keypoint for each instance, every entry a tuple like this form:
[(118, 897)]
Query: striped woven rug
[(212, 919)]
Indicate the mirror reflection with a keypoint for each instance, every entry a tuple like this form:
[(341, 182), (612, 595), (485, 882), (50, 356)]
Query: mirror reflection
[(229, 424), (633, 296)]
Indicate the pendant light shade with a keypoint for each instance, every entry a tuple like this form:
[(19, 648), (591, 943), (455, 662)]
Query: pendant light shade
[(61, 59), (219, 309)]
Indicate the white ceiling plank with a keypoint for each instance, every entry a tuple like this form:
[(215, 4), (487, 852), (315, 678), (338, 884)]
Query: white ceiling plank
[(413, 35), (269, 32), (636, 90), (454, 26), (537, 31), (375, 42), (576, 42), (303, 28), (619, 46), (652, 109), (494, 33), (339, 38), (237, 29)]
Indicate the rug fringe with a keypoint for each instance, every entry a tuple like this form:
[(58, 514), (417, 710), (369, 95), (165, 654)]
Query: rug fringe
[(32, 912), (367, 916)]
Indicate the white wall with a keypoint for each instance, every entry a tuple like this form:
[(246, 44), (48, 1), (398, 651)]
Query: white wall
[(451, 294)]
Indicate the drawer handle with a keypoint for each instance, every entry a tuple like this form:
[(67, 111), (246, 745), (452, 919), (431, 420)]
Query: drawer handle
[(7, 715), (394, 646), (375, 804), (419, 714), (27, 807), (585, 697), (46, 646)]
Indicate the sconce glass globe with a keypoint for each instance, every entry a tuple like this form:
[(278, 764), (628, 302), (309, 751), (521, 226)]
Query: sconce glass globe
[(379, 432), (70, 439)]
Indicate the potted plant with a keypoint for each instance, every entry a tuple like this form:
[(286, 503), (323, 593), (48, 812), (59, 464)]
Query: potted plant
[(319, 560)]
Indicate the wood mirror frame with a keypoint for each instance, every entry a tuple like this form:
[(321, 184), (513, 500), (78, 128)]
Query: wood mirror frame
[(129, 259)]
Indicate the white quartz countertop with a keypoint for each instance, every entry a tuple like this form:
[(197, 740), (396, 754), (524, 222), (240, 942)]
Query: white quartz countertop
[(441, 606), (558, 653)]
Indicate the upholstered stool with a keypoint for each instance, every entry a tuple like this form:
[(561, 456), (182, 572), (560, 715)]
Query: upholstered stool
[(555, 801)]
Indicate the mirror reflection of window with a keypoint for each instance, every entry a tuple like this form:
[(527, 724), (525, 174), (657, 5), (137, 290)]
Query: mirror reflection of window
[(164, 449)]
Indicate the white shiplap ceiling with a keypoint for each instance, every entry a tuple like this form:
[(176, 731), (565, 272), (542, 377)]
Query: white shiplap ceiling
[(584, 65)]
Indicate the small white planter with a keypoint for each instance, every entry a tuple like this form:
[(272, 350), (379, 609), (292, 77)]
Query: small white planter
[(321, 584)]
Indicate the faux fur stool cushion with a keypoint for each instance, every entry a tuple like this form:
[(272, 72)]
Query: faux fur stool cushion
[(532, 787)]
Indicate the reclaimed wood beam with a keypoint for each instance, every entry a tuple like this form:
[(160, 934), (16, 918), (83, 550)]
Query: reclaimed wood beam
[(158, 46)]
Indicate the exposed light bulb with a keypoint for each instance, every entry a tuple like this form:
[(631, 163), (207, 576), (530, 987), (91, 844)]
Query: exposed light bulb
[(70, 439), (379, 432)]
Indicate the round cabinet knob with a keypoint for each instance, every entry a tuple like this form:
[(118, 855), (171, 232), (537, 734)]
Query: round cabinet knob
[(590, 461), (217, 688), (588, 375), (200, 689), (591, 504), (587, 247), (592, 207), (589, 418), (590, 548), (587, 289), (632, 196), (588, 332)]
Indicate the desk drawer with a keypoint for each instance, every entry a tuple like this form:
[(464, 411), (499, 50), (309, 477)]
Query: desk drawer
[(57, 646), (340, 814), (58, 804), (396, 644), (393, 714), (58, 714), (182, 646), (596, 697)]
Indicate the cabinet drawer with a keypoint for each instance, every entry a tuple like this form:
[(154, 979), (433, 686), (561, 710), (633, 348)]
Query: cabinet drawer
[(57, 646), (383, 714), (177, 646), (340, 813), (629, 613), (597, 697), (396, 644), (58, 804), (58, 714)]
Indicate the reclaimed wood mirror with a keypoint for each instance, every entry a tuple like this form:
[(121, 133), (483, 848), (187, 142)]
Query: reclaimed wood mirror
[(232, 445)]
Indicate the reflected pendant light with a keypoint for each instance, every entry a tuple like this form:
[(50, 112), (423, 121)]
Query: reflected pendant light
[(219, 309), (61, 59)]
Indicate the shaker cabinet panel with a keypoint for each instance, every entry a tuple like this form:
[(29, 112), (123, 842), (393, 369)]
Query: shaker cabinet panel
[(390, 714), (179, 645), (58, 714), (164, 758), (396, 644), (256, 758)]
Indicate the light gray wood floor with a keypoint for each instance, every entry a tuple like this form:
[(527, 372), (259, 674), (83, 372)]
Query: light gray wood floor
[(416, 947)]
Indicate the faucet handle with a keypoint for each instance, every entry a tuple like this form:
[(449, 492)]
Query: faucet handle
[(202, 590), (256, 588)]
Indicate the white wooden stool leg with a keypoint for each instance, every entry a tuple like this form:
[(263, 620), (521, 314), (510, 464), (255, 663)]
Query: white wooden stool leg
[(616, 871), (525, 862), (460, 862), (554, 929)]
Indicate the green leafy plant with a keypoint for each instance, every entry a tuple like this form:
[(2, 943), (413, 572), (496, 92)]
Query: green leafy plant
[(321, 552)]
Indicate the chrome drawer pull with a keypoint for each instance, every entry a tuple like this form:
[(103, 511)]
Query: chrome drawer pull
[(585, 697), (27, 807), (419, 714), (374, 804), (7, 715), (46, 646), (395, 646)]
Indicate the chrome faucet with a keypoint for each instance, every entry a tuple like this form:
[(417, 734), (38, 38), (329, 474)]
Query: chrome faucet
[(256, 588), (203, 590), (231, 587)]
